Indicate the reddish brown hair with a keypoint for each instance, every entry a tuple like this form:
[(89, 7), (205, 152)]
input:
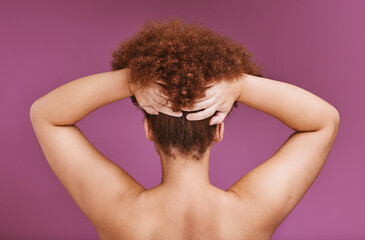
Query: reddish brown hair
[(187, 57)]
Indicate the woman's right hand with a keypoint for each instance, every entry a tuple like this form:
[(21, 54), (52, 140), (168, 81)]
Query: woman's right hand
[(219, 99)]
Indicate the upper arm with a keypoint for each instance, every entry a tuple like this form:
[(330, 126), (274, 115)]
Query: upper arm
[(276, 186), (95, 183)]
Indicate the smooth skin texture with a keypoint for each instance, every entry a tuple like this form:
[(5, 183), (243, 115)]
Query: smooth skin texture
[(185, 205)]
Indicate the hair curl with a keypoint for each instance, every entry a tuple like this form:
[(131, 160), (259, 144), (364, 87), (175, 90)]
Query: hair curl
[(187, 57)]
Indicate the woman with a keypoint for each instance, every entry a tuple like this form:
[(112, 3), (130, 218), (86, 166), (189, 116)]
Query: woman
[(186, 79)]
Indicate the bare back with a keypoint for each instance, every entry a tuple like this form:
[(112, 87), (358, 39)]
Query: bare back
[(208, 213), (252, 208)]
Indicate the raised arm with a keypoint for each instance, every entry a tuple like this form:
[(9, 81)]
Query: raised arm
[(295, 107), (95, 183), (276, 186)]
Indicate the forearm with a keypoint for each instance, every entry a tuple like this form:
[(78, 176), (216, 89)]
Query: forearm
[(294, 106), (69, 103)]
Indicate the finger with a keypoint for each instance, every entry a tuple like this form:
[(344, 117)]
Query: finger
[(160, 91), (162, 101), (204, 104), (160, 82), (211, 85), (168, 111), (209, 93), (217, 118), (150, 110), (161, 97), (202, 114), (201, 105)]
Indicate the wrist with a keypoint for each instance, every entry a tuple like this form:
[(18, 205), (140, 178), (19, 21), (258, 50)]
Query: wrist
[(128, 85), (238, 87), (130, 88)]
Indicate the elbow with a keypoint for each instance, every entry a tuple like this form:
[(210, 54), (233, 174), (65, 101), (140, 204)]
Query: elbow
[(333, 121), (335, 117), (34, 111), (32, 108)]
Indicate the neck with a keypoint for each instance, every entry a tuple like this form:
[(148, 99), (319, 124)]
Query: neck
[(184, 172)]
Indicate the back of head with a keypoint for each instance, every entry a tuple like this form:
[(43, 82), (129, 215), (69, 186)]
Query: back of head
[(187, 57)]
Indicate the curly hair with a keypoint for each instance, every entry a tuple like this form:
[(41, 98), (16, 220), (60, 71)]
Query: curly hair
[(187, 57)]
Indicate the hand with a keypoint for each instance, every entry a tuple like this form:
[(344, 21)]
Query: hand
[(219, 98), (153, 99)]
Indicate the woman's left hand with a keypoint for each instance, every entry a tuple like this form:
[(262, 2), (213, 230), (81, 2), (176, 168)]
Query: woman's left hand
[(153, 99)]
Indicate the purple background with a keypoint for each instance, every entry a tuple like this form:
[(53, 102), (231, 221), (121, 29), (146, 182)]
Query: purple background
[(317, 45)]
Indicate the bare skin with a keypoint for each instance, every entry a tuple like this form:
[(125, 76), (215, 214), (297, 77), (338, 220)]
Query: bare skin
[(185, 205)]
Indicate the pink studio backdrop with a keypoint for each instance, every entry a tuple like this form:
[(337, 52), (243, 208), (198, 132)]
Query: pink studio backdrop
[(317, 45)]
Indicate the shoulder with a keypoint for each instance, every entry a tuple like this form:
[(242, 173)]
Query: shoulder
[(122, 221)]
